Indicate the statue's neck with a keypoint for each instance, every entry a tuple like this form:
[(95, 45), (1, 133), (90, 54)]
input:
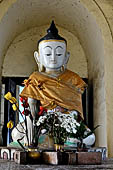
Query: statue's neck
[(49, 70), (53, 72)]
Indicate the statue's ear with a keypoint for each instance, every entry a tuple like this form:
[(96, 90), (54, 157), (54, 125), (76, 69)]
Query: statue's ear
[(38, 61), (67, 57), (36, 56), (66, 60)]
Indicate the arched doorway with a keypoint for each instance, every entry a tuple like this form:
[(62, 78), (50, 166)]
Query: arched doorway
[(75, 18)]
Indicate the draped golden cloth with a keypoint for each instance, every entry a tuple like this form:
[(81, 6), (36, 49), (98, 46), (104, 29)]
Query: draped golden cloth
[(65, 90)]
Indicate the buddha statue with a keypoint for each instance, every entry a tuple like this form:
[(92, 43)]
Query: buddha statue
[(53, 87)]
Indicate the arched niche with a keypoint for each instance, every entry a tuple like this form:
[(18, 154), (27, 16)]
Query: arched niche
[(75, 18), (19, 60)]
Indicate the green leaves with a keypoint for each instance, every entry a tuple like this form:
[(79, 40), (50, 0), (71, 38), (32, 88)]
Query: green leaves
[(92, 131), (62, 126)]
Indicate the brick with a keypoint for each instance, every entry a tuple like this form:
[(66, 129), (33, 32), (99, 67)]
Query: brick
[(103, 150), (72, 158), (13, 150), (55, 158), (20, 157), (5, 153), (88, 158)]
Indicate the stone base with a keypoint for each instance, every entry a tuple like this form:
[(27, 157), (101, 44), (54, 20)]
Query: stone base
[(103, 150), (88, 158), (20, 157), (30, 157), (55, 158), (68, 157), (7, 153)]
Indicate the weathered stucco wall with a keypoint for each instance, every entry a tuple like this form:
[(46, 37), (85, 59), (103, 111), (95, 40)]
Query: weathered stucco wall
[(96, 72), (88, 23), (107, 8), (103, 12), (19, 60)]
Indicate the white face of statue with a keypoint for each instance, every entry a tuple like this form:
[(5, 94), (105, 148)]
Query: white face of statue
[(52, 55)]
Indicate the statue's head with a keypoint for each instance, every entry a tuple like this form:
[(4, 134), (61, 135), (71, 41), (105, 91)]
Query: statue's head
[(52, 51)]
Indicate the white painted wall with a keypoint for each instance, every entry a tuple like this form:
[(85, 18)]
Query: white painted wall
[(19, 60), (86, 22)]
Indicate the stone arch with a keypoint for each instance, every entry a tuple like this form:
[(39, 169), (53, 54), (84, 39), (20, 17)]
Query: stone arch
[(22, 48), (75, 17)]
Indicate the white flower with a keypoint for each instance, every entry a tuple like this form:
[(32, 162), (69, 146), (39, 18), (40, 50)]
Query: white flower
[(67, 121), (38, 123), (74, 130), (74, 121), (42, 118), (72, 125), (78, 124), (43, 131), (65, 126), (73, 113), (50, 112), (56, 124), (64, 115), (60, 119), (67, 129)]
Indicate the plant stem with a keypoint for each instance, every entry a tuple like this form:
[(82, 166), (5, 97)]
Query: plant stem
[(19, 131), (26, 128), (22, 117)]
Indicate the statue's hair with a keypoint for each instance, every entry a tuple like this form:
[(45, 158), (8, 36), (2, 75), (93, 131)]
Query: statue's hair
[(52, 34)]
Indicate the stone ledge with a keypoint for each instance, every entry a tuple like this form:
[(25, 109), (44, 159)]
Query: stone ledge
[(10, 165), (68, 157)]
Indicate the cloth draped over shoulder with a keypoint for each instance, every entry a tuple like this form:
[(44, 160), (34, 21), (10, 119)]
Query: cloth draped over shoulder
[(65, 90)]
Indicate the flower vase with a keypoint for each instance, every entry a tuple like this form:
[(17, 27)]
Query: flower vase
[(58, 147)]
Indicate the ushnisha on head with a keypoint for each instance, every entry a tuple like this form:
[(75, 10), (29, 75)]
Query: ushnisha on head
[(52, 55)]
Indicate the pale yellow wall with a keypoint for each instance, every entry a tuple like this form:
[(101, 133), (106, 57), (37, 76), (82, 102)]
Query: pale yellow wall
[(103, 12), (19, 60), (107, 7), (89, 24)]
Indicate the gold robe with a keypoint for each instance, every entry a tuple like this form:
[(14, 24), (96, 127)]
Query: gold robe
[(65, 90)]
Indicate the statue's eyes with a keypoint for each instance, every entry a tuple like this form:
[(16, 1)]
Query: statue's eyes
[(58, 54), (48, 54)]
